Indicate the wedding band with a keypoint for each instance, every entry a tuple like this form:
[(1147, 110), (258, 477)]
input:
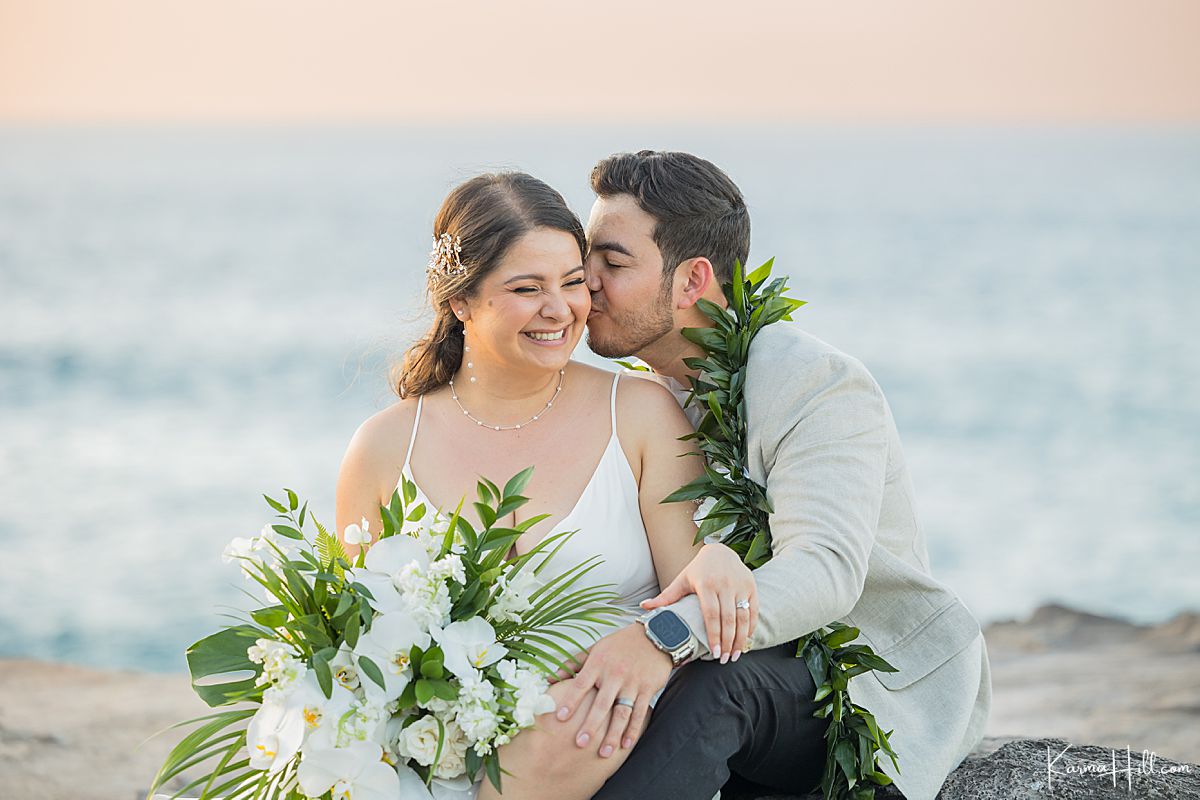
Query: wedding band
[(624, 701), (743, 604)]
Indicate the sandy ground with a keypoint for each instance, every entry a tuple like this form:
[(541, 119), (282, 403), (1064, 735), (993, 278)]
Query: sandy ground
[(71, 733)]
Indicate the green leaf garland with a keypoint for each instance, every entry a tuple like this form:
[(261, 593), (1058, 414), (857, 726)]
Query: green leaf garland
[(853, 739)]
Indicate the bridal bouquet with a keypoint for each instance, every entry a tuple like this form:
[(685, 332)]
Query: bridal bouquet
[(397, 675)]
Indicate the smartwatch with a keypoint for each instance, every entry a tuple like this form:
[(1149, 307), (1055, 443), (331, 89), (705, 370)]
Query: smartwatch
[(670, 634)]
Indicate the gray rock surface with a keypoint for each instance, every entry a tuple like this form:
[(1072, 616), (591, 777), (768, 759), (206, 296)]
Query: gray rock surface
[(1044, 769), (1033, 769)]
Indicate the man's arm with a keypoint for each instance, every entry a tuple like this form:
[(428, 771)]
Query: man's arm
[(825, 473)]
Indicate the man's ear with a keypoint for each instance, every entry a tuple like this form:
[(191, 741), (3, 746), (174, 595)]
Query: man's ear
[(693, 279)]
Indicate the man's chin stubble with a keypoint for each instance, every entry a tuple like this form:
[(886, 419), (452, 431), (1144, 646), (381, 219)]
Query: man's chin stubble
[(606, 349)]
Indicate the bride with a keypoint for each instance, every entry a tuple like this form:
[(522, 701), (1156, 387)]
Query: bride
[(490, 390)]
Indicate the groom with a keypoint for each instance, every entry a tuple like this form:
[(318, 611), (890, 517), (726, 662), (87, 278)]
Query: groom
[(665, 231)]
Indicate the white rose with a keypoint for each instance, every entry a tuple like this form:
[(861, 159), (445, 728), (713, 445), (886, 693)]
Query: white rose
[(419, 741)]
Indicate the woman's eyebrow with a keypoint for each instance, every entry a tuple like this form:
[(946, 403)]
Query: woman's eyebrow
[(537, 277)]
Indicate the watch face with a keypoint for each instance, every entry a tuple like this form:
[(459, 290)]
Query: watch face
[(670, 630)]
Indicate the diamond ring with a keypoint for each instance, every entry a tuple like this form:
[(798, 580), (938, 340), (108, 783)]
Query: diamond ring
[(742, 604)]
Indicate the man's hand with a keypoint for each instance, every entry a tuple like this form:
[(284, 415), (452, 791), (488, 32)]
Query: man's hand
[(625, 665)]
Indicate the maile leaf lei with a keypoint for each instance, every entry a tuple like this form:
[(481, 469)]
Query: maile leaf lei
[(741, 507)]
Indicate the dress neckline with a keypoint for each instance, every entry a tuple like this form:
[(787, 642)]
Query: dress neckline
[(406, 470)]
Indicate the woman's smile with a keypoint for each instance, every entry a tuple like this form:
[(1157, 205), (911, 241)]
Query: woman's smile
[(547, 338)]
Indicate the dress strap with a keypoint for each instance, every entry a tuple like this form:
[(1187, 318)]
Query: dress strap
[(613, 404), (413, 439)]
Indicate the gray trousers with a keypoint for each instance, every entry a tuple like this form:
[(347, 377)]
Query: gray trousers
[(752, 719)]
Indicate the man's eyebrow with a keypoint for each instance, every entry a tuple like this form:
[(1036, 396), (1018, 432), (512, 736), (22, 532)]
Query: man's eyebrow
[(615, 247), (531, 276)]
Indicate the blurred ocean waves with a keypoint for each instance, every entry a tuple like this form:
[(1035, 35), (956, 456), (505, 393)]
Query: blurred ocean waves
[(192, 317)]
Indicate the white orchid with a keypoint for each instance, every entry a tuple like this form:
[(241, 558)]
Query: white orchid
[(345, 670), (469, 645), (321, 714), (274, 736), (271, 543), (328, 732), (358, 534), (387, 563), (241, 549), (388, 644), (356, 772)]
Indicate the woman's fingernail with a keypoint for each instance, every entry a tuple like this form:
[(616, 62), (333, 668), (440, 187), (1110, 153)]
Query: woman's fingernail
[(563, 712), (582, 739), (725, 658), (737, 654), (628, 743), (606, 751), (716, 650)]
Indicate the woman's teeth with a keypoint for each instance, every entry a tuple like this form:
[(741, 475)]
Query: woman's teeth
[(546, 337)]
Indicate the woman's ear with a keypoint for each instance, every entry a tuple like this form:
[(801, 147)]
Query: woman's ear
[(460, 309)]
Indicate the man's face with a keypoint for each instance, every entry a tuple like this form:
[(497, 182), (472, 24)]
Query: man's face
[(631, 308)]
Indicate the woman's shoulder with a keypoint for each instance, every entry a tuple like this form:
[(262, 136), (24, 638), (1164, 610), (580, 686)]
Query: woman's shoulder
[(634, 390), (383, 434), (648, 410)]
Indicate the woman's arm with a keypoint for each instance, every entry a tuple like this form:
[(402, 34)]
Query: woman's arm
[(652, 423), (713, 572), (370, 471)]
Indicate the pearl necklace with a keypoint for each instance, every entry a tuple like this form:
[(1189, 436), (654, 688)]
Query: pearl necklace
[(530, 421)]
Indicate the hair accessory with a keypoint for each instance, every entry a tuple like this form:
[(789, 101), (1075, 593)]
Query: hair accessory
[(444, 261)]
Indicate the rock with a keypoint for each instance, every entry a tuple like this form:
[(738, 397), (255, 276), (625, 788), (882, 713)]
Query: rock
[(1032, 769), (1041, 769)]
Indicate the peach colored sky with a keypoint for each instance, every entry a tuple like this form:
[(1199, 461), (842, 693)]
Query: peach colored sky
[(614, 62)]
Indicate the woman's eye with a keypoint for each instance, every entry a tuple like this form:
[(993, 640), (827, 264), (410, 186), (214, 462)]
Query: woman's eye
[(525, 289), (576, 282)]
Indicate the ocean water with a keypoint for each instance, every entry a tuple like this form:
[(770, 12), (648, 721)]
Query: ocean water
[(189, 318)]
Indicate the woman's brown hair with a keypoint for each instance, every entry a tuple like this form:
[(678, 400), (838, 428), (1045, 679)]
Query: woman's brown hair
[(488, 214)]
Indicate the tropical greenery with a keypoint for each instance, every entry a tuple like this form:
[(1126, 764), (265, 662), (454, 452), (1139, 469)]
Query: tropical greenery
[(396, 673), (737, 510)]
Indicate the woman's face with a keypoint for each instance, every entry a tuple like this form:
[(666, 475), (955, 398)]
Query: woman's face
[(530, 311)]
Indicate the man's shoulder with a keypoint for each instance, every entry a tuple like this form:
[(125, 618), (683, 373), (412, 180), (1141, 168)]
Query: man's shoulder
[(785, 350)]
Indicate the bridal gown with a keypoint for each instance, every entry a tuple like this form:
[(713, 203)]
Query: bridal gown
[(609, 523)]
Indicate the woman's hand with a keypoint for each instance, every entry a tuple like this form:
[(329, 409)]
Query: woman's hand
[(728, 598)]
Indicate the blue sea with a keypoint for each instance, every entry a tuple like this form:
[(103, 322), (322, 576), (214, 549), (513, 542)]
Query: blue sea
[(191, 317)]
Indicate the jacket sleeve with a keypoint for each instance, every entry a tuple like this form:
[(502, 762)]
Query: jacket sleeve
[(824, 435)]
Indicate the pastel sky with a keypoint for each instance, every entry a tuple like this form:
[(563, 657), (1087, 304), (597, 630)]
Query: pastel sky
[(617, 61)]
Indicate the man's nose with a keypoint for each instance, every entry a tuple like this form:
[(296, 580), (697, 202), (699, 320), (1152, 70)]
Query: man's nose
[(592, 278)]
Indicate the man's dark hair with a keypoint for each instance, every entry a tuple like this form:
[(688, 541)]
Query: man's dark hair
[(698, 210)]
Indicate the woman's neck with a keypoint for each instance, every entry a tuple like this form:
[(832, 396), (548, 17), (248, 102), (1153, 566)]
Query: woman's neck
[(502, 396)]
